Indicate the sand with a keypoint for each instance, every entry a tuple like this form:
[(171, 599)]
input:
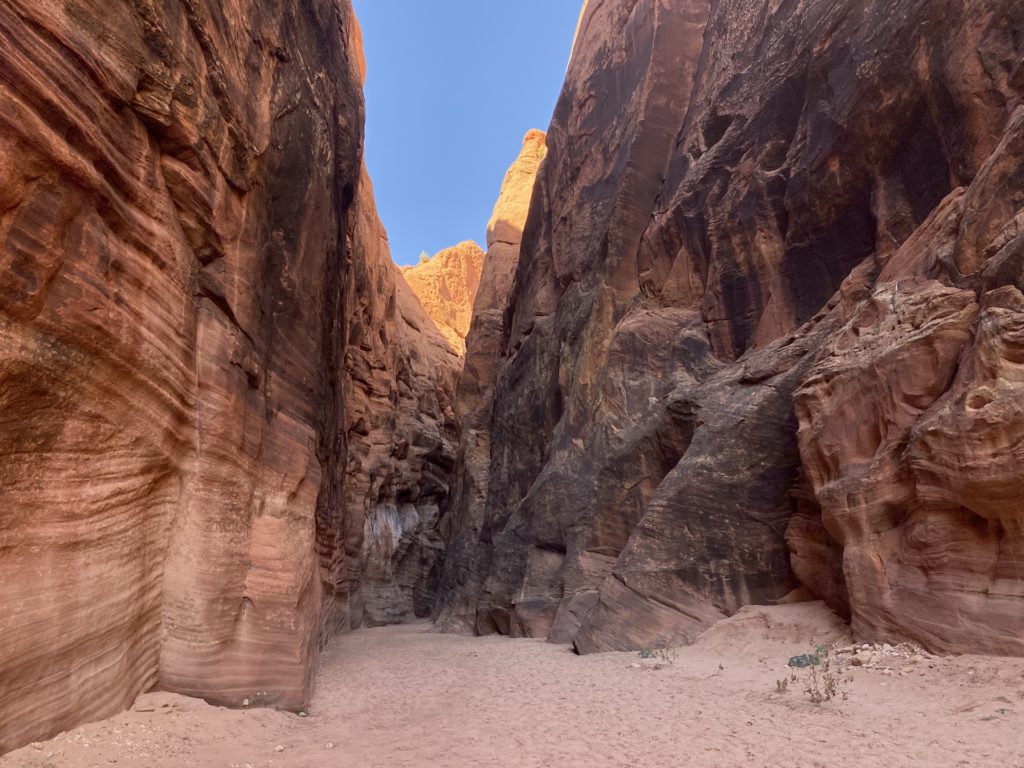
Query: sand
[(410, 696)]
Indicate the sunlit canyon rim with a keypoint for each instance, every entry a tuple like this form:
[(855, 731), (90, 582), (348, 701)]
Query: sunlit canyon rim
[(749, 328)]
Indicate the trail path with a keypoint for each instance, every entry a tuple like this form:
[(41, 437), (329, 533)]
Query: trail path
[(410, 696)]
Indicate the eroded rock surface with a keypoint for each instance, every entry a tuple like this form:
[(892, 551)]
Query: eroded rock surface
[(400, 420), (200, 331), (446, 286), (475, 393), (762, 331)]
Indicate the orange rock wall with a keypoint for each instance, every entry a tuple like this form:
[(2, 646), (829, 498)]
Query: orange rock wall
[(196, 312)]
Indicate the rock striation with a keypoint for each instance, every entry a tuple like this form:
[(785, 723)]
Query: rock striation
[(475, 393), (761, 334), (220, 408), (446, 286)]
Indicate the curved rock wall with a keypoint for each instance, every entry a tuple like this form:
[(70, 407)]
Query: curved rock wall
[(200, 331), (761, 331)]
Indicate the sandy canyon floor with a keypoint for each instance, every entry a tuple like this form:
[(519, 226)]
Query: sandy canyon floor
[(410, 696)]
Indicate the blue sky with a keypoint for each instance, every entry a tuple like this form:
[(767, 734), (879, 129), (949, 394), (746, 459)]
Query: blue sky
[(452, 86)]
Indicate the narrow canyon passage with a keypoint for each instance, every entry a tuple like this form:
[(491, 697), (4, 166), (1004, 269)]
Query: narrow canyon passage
[(745, 336), (408, 696)]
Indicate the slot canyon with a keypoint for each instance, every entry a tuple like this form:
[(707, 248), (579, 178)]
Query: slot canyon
[(743, 352)]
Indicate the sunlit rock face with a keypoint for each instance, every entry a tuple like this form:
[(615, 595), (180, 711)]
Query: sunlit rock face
[(762, 332), (198, 321), (446, 286)]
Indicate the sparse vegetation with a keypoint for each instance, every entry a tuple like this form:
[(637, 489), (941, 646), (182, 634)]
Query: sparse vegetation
[(665, 657), (824, 682), (782, 686), (822, 677)]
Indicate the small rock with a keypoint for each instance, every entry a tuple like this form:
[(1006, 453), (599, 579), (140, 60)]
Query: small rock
[(329, 745), (279, 748), (245, 702), (302, 714), (916, 658)]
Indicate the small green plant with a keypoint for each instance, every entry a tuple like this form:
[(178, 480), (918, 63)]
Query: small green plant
[(823, 681)]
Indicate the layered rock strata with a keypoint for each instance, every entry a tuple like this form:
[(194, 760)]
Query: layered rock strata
[(200, 332), (761, 332), (446, 286)]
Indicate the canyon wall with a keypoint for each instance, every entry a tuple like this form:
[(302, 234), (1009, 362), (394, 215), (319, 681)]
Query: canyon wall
[(748, 326), (475, 393), (217, 397), (762, 333), (400, 375)]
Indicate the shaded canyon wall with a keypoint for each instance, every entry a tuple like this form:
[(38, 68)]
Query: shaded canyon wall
[(762, 333)]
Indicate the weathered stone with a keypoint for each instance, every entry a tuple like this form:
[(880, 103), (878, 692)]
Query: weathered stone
[(754, 218), (475, 392), (191, 296), (446, 286), (400, 420)]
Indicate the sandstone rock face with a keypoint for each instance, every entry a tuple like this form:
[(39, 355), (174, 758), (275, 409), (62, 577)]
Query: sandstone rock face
[(400, 421), (475, 394), (762, 331), (195, 317), (446, 286)]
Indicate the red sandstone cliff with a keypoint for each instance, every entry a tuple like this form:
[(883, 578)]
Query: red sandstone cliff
[(475, 394), (212, 380), (762, 332), (400, 377)]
